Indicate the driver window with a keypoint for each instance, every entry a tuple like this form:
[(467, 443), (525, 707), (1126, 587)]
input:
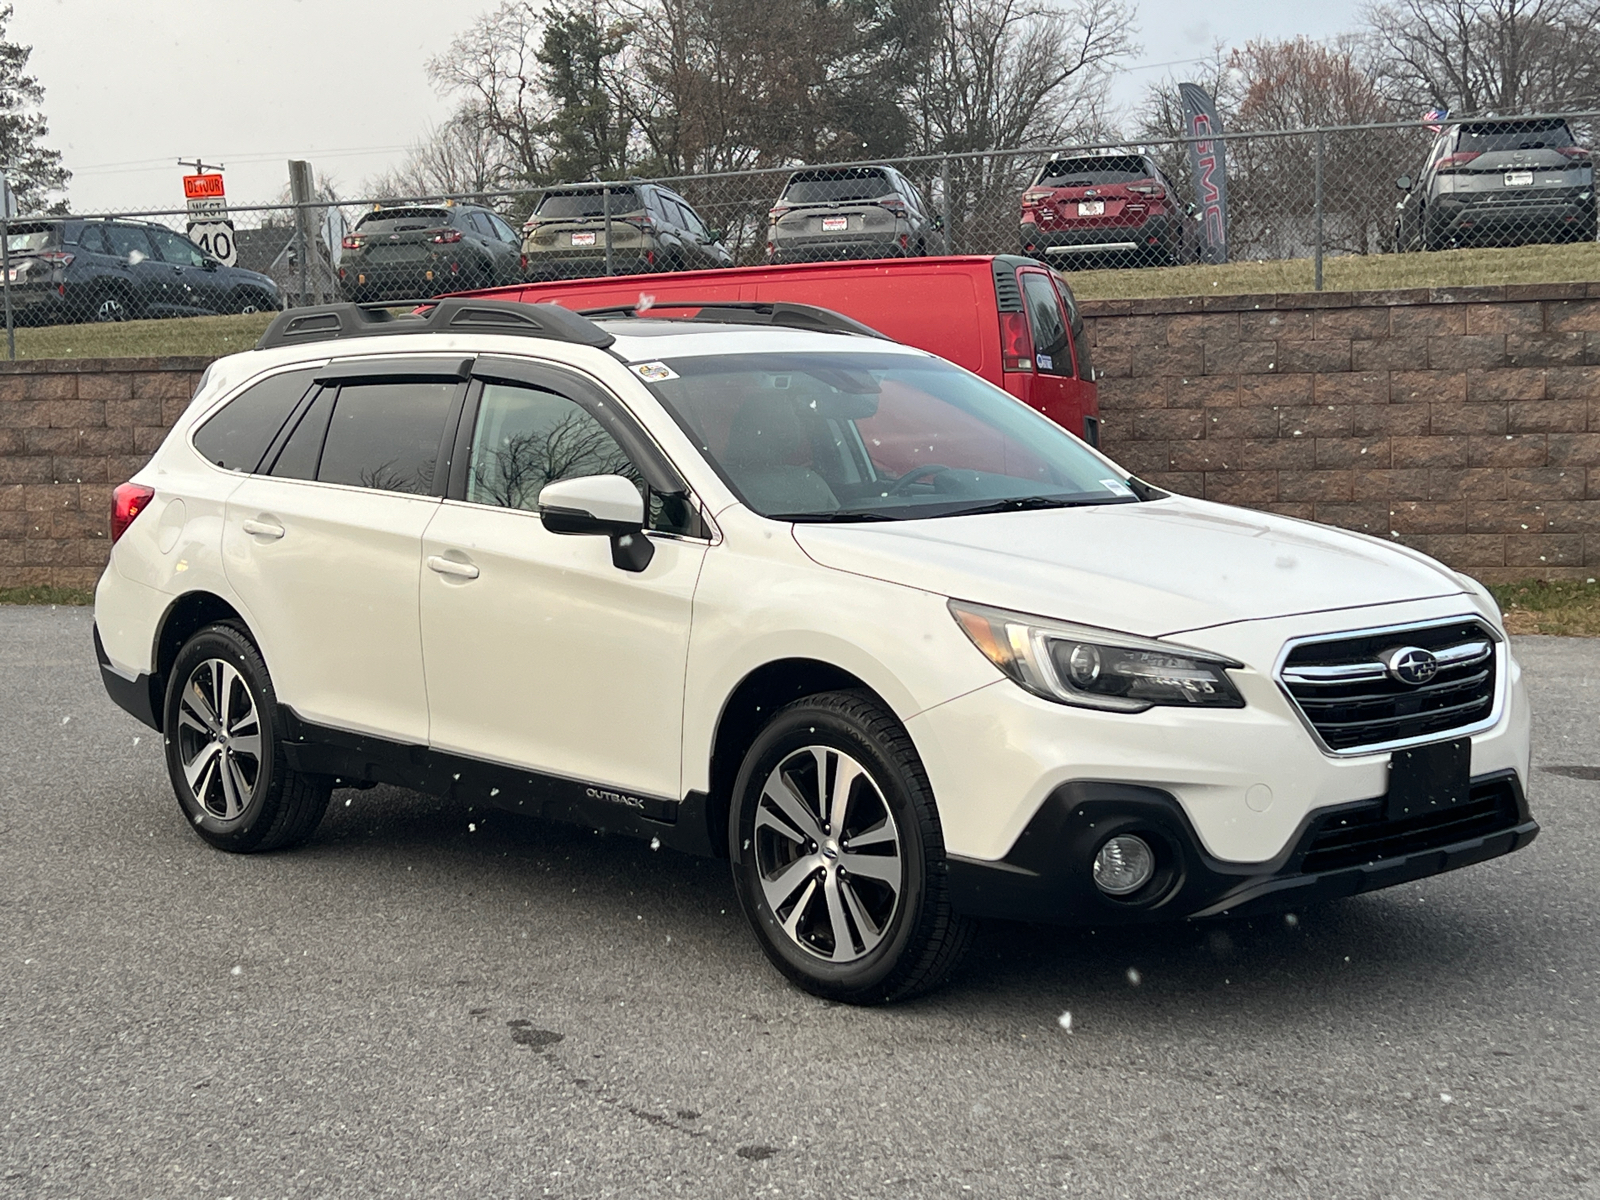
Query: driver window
[(527, 437)]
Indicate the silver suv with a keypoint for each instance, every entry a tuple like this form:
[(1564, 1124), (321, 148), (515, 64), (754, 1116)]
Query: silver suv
[(849, 212), (648, 227)]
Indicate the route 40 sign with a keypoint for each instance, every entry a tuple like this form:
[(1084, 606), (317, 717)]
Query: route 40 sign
[(210, 227)]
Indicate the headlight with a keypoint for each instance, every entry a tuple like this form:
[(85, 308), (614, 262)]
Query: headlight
[(1097, 668)]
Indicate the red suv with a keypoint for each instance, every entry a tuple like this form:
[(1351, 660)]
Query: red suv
[(1101, 206)]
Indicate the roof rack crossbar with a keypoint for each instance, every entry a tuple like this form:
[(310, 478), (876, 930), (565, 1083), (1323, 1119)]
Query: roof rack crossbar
[(747, 312), (449, 314)]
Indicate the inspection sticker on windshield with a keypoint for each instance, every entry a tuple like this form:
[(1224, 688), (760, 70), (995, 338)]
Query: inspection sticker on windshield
[(653, 372), (1116, 487)]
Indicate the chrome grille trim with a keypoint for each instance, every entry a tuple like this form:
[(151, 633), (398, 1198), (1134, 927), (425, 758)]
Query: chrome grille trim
[(1487, 647)]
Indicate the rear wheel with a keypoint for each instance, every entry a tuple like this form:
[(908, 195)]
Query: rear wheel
[(225, 750), (838, 854), (108, 306)]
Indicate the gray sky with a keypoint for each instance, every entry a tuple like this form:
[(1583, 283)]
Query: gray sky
[(133, 84)]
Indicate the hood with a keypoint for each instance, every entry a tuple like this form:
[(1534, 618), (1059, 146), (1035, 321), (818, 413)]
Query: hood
[(1155, 568)]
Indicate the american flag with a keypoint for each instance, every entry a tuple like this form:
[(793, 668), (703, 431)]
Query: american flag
[(1434, 116)]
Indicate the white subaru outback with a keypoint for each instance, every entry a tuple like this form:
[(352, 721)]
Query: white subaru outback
[(760, 584)]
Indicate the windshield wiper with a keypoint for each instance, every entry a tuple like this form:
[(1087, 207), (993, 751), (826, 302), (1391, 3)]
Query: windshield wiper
[(841, 516), (1026, 503)]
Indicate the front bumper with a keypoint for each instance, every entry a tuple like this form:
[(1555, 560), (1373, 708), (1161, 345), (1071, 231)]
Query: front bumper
[(1338, 852)]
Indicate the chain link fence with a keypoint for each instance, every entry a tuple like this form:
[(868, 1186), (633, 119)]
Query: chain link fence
[(1305, 193)]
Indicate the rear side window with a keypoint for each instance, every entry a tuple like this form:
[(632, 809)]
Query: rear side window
[(1051, 351), (1080, 335), (93, 240), (237, 437), (837, 186), (1095, 169), (386, 436)]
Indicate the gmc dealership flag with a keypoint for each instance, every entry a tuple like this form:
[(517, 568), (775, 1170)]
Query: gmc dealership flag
[(1208, 157)]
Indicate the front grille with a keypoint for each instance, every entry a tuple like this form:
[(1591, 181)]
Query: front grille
[(1362, 835), (1353, 701)]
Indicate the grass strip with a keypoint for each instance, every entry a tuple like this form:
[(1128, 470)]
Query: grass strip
[(1566, 608), (45, 594)]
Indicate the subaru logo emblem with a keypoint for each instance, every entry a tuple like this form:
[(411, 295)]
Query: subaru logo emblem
[(1410, 665)]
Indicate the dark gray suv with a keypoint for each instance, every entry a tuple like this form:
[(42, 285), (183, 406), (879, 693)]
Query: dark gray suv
[(651, 228), (64, 269), (848, 212), (1499, 183)]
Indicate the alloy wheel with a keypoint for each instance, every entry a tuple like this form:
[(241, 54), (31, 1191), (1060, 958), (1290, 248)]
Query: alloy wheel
[(219, 739), (111, 309), (828, 854)]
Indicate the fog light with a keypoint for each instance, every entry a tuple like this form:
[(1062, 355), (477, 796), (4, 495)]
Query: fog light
[(1124, 865)]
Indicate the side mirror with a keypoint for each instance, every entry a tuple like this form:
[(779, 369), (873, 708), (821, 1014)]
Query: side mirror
[(938, 224), (1403, 183), (608, 505), (714, 235)]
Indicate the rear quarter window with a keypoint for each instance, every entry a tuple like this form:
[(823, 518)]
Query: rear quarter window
[(236, 438)]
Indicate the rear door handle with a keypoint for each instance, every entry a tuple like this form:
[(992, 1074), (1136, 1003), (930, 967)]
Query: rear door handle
[(263, 529), (449, 566)]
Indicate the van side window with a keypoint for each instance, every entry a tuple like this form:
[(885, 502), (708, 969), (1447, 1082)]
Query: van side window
[(386, 436), (237, 437), (1051, 350), (1080, 335)]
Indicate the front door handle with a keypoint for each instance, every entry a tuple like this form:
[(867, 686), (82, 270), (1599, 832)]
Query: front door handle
[(263, 529), (449, 566)]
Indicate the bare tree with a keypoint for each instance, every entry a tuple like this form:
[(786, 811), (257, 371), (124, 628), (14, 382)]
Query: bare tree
[(462, 157), (1478, 56)]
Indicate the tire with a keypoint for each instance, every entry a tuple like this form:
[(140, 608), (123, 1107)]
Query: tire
[(243, 798), (108, 307), (848, 925), (255, 302)]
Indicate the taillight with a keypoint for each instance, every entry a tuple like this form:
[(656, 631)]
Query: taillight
[(351, 241), (446, 237), (1569, 151), (1458, 160), (524, 262), (127, 502), (1016, 343), (895, 205), (1148, 189), (1036, 198), (56, 258)]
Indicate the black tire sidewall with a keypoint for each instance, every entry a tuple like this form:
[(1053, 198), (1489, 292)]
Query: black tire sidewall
[(247, 830), (806, 723)]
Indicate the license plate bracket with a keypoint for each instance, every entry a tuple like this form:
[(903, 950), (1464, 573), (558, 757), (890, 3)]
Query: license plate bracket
[(1091, 208), (1429, 779), (835, 224), (1519, 178), (583, 239)]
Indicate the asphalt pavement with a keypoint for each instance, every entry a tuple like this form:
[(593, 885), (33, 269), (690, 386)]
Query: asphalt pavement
[(431, 1001)]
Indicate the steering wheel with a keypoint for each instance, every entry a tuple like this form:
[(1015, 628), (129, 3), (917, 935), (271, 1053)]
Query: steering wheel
[(899, 486)]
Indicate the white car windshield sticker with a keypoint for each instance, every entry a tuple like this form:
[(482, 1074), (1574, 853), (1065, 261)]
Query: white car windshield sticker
[(1116, 487), (1046, 363), (654, 372)]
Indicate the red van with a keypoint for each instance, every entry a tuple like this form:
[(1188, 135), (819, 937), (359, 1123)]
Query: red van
[(1010, 319)]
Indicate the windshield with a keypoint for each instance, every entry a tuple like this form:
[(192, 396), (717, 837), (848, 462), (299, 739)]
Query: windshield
[(1086, 172), (1514, 135), (566, 205), (874, 436), (837, 186)]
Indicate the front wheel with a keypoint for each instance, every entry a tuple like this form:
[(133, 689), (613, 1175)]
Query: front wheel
[(225, 749), (838, 855)]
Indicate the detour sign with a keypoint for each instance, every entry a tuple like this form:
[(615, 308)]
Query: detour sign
[(202, 187)]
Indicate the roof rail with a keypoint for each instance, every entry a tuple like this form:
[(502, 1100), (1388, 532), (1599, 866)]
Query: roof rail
[(748, 312), (451, 314)]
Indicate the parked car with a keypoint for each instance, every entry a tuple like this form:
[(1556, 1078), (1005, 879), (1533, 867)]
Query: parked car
[(764, 585), (1008, 319), (1499, 183), (67, 269), (652, 228), (1101, 206), (414, 251), (849, 212)]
